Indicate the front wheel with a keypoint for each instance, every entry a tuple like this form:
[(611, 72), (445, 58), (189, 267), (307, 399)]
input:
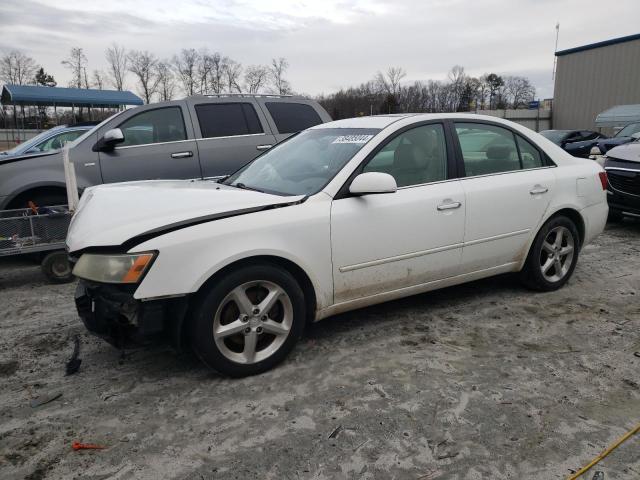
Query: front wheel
[(248, 321), (553, 255)]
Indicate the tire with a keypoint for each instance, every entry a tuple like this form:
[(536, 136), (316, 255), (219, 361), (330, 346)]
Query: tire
[(547, 253), (56, 267), (228, 307)]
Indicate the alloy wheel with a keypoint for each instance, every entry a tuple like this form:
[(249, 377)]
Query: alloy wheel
[(557, 254), (253, 322)]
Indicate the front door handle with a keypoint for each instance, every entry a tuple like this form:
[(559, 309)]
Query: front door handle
[(538, 190), (182, 155), (263, 147), (449, 206)]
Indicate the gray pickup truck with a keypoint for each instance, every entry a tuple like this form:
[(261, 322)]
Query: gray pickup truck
[(198, 137)]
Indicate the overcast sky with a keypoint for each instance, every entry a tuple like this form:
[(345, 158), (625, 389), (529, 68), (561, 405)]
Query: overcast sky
[(329, 43)]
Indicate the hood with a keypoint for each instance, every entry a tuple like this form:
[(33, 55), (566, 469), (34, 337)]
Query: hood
[(629, 152), (613, 142), (128, 213), (6, 157)]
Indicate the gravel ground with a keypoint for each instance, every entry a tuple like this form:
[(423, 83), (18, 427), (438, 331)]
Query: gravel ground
[(480, 381)]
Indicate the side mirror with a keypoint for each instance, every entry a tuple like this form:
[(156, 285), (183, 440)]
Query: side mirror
[(109, 140), (636, 135), (595, 151), (372, 183)]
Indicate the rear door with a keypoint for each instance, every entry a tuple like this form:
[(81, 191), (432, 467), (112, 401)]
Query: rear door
[(230, 132), (508, 184), (158, 143), (288, 115)]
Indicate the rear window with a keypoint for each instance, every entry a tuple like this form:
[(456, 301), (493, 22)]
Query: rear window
[(227, 119), (292, 117)]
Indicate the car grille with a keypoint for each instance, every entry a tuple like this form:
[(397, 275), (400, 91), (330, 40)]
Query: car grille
[(624, 181)]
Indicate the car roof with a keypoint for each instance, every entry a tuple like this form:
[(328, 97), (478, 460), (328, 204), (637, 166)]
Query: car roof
[(383, 121)]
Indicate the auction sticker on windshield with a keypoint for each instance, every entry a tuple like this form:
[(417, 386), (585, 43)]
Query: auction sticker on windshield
[(353, 139)]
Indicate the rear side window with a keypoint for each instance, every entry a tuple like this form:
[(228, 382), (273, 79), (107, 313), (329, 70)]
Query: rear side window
[(530, 155), (154, 126), (292, 117), (488, 149), (228, 119)]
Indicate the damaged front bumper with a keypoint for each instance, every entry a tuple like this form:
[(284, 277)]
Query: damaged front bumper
[(110, 312)]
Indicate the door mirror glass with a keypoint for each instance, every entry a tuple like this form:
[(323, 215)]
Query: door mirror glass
[(110, 139), (373, 182)]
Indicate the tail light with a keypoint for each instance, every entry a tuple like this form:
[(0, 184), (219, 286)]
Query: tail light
[(603, 179)]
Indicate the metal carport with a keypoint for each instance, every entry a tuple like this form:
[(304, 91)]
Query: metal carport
[(618, 116), (66, 97)]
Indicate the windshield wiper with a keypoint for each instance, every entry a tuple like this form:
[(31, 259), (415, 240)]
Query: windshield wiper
[(245, 187)]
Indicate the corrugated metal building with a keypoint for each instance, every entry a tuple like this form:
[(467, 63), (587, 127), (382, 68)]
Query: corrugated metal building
[(593, 78)]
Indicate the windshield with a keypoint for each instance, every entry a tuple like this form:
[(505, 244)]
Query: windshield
[(26, 145), (303, 164), (556, 136), (629, 130)]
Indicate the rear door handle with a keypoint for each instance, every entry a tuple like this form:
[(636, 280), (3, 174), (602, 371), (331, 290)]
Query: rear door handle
[(182, 154), (538, 190), (449, 206), (263, 147)]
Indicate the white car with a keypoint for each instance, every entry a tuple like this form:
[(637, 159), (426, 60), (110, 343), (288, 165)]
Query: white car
[(341, 216)]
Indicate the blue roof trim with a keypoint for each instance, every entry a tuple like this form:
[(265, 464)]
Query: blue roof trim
[(38, 95), (605, 43)]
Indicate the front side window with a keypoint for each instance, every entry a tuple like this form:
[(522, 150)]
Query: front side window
[(227, 119), (487, 149), (58, 141), (305, 163), (292, 117), (414, 157), (154, 126)]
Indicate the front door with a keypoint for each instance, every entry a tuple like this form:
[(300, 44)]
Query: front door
[(158, 143), (507, 187), (385, 242)]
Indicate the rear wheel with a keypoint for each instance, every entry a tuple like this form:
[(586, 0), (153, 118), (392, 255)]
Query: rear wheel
[(553, 255), (248, 322)]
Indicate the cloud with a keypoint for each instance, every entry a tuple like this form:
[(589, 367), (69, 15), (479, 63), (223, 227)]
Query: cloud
[(329, 44)]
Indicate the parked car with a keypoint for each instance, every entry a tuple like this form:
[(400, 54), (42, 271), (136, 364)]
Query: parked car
[(622, 165), (575, 142), (201, 136), (343, 215), (48, 141), (629, 133)]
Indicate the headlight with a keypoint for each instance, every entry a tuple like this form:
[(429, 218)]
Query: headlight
[(125, 268), (595, 151)]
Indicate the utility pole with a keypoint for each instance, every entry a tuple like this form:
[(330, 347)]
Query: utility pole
[(555, 59)]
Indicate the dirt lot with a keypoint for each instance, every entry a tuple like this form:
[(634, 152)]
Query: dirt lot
[(481, 381)]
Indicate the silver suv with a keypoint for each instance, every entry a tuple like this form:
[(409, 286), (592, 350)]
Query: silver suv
[(198, 137)]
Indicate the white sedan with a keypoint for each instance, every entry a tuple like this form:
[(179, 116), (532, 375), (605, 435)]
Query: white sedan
[(341, 216)]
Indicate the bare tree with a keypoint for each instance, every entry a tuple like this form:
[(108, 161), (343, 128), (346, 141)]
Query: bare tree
[(389, 82), (16, 68), (117, 59), (186, 66), (232, 71), (76, 62), (518, 90), (144, 66), (278, 68), (255, 77), (98, 79), (166, 81)]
